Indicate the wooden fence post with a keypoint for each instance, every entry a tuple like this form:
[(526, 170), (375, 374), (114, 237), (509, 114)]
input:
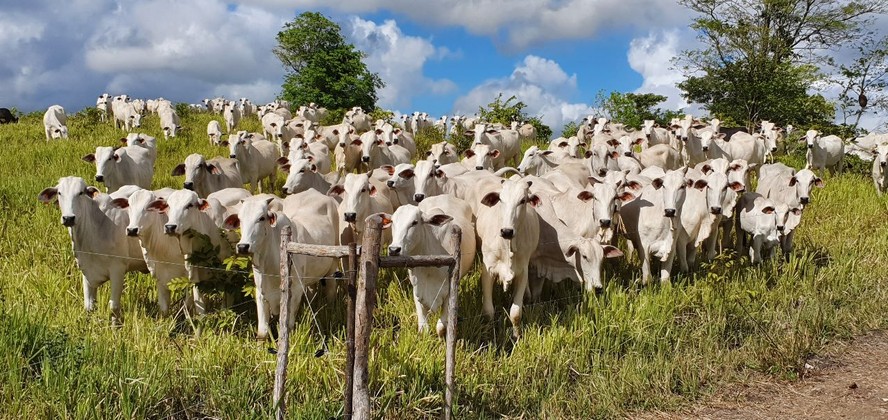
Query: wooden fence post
[(350, 292), (452, 304), (364, 305), (280, 373)]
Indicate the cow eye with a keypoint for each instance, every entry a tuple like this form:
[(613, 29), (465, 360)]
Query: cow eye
[(363, 190), (262, 219), (522, 201), (414, 223), (302, 170), (81, 193), (189, 206)]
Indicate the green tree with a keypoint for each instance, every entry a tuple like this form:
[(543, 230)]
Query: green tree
[(322, 67), (758, 56), (570, 129), (504, 112), (863, 81), (631, 109)]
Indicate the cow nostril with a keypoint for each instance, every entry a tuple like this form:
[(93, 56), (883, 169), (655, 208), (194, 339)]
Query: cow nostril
[(394, 250), (100, 178), (605, 223), (390, 184), (169, 229), (773, 149), (68, 221), (365, 158), (804, 200), (188, 185), (233, 156), (670, 212), (418, 197), (716, 210), (781, 228), (284, 190), (132, 231), (243, 248), (480, 168), (705, 149), (350, 217), (507, 233), (883, 163), (628, 153)]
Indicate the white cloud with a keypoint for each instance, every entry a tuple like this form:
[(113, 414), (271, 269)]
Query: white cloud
[(538, 82), (651, 57), (517, 23), (399, 59)]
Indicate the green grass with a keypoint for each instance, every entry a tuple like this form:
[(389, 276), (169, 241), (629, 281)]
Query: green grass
[(581, 356)]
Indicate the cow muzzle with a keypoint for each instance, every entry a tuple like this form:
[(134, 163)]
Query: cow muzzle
[(781, 228), (100, 178), (705, 148), (715, 210), (188, 186), (773, 149), (365, 159), (132, 231), (627, 154), (883, 164), (605, 223), (350, 217), (243, 249), (418, 197), (233, 156), (390, 184), (507, 233), (479, 168), (284, 190), (394, 251), (68, 221), (805, 200), (810, 146), (170, 229), (669, 213)]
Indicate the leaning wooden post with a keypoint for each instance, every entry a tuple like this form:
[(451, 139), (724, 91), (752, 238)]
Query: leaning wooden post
[(364, 305), (280, 372), (352, 271), (452, 304)]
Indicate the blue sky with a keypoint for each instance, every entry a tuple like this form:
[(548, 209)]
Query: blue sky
[(439, 57)]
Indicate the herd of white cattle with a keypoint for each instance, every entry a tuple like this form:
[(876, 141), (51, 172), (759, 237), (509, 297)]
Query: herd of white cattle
[(668, 191)]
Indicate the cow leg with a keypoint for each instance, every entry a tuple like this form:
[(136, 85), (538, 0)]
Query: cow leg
[(296, 292), (755, 252), (116, 293), (89, 295), (487, 291), (691, 255), (726, 235), (519, 284), (200, 307), (163, 296), (682, 251), (441, 326), (330, 288), (644, 256), (262, 313), (666, 267), (786, 245), (421, 314)]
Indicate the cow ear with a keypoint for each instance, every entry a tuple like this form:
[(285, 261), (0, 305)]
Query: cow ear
[(793, 181), (158, 205), (585, 195), (494, 153), (440, 174), (372, 191), (562, 144), (285, 167), (571, 250), (120, 203), (123, 140), (706, 169), (657, 183), (213, 169), (203, 205), (545, 153), (429, 153), (407, 174), (89, 158), (179, 170), (700, 184), (768, 210), (634, 185), (469, 153), (388, 168), (626, 197), (534, 200), (282, 161), (48, 195), (736, 186), (614, 155), (336, 190), (588, 154), (356, 142), (438, 219), (313, 167), (594, 180), (818, 182), (231, 222), (491, 199), (611, 251), (272, 219)]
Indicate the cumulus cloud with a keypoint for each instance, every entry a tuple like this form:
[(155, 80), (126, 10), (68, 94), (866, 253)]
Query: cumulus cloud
[(399, 59), (651, 57), (538, 82), (517, 23)]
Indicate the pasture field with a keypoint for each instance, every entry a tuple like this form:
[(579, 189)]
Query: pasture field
[(582, 356)]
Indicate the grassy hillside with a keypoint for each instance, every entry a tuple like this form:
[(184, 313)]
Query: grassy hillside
[(582, 356)]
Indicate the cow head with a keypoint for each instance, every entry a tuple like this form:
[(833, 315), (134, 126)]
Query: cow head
[(411, 229), (514, 199), (72, 195), (259, 225)]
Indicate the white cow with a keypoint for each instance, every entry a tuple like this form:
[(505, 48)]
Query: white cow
[(360, 199), (660, 155), (214, 132), (256, 159), (509, 230), (101, 248), (232, 116), (426, 230), (651, 222), (756, 216), (782, 183), (375, 153), (130, 165), (823, 152), (125, 116), (303, 175), (313, 220), (442, 153), (54, 123), (142, 140), (506, 141), (169, 121), (103, 104), (400, 187), (880, 168), (206, 176), (699, 214)]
